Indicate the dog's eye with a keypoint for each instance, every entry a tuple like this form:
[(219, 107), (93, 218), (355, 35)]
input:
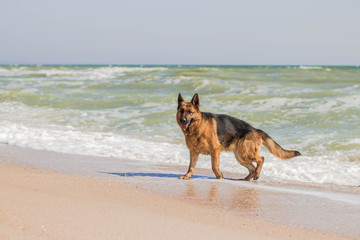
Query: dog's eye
[(190, 112)]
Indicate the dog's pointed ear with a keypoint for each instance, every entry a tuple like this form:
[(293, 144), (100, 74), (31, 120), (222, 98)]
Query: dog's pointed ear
[(196, 101), (180, 99)]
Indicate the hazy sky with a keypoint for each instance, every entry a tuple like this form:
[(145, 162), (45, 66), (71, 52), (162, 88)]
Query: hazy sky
[(312, 32)]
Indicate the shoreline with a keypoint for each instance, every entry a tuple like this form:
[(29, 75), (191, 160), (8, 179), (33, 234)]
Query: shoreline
[(116, 193)]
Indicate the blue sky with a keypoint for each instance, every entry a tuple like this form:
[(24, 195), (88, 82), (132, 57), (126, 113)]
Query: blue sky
[(315, 32)]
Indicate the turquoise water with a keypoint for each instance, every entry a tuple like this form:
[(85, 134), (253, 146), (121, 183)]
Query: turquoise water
[(129, 111)]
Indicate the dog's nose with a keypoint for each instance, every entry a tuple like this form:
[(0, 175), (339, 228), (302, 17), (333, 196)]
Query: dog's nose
[(183, 120)]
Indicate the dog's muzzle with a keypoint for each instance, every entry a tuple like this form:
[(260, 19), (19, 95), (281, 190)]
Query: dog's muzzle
[(185, 123)]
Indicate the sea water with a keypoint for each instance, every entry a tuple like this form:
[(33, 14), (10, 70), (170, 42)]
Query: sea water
[(129, 112)]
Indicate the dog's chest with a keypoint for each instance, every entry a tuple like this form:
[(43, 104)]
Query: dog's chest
[(201, 144)]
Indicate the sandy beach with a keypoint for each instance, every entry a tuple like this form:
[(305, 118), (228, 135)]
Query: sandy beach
[(38, 202)]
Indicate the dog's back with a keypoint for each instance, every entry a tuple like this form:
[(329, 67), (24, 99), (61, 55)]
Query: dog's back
[(229, 129)]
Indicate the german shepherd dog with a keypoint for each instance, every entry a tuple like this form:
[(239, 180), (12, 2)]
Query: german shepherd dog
[(209, 134)]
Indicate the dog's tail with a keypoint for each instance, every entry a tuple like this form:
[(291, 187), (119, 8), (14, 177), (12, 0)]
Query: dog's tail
[(275, 148)]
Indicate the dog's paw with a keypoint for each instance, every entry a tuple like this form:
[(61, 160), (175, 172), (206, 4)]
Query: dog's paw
[(184, 177), (221, 176)]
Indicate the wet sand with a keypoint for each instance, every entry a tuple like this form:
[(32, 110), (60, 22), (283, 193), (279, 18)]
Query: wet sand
[(47, 195)]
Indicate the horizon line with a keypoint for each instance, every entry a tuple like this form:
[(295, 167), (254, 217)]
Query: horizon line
[(175, 65)]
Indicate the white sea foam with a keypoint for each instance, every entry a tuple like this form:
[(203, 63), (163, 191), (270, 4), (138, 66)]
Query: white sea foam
[(278, 103), (70, 140), (310, 67), (75, 73), (309, 169), (312, 104), (338, 103), (203, 84)]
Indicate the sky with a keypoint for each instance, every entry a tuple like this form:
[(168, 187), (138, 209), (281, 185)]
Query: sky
[(253, 32)]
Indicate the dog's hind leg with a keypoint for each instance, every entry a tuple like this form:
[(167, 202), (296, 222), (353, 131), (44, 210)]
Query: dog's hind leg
[(251, 169), (259, 162), (248, 165), (247, 151)]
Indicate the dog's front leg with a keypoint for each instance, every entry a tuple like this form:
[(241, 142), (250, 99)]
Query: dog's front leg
[(193, 160), (215, 162)]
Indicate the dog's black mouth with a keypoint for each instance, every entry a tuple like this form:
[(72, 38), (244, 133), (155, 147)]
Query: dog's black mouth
[(185, 125)]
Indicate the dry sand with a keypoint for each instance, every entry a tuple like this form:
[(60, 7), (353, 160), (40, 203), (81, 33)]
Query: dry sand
[(38, 204)]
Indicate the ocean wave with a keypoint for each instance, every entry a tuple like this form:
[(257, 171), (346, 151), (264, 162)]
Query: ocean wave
[(335, 104), (74, 72), (64, 131), (310, 67), (277, 103), (309, 169), (69, 140)]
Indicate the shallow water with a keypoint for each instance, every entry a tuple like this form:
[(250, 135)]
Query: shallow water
[(129, 112)]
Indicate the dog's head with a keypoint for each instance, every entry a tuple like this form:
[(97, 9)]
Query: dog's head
[(188, 113)]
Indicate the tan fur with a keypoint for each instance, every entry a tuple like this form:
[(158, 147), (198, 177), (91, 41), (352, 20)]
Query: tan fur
[(202, 138), (276, 149), (247, 151)]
